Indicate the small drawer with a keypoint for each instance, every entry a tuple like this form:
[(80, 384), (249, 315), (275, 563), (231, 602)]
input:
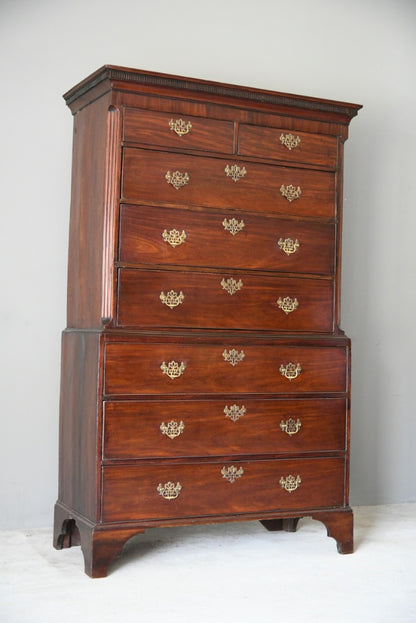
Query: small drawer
[(224, 301), (133, 368), (146, 492), (190, 238), (178, 179), (178, 131), (288, 146), (190, 428)]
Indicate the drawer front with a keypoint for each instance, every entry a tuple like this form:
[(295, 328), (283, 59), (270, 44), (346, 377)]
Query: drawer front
[(194, 180), (166, 491), (132, 368), (186, 428), (224, 301), (190, 238), (288, 146), (178, 131)]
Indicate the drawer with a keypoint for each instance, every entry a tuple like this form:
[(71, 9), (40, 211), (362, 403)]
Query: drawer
[(224, 301), (164, 491), (203, 181), (178, 131), (192, 368), (288, 146), (186, 428), (190, 238)]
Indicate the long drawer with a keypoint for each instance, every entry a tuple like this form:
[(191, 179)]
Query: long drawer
[(224, 301), (190, 238), (186, 428), (164, 491), (198, 181), (192, 368)]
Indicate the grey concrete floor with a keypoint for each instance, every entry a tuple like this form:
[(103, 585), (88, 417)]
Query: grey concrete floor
[(224, 573)]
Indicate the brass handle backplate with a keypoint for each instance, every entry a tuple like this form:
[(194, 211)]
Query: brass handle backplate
[(287, 304), (173, 369), (290, 192), (172, 299), (291, 426), (172, 429), (232, 225), (289, 141), (235, 172), (180, 126), (174, 237), (231, 285), (232, 473), (288, 245), (234, 412), (169, 490), (290, 371), (233, 356), (290, 483), (177, 179)]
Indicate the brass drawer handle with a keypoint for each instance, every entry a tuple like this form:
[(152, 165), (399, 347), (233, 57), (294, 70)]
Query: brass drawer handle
[(291, 426), (232, 473), (234, 412), (288, 245), (180, 126), (235, 172), (290, 192), (231, 285), (177, 179), (290, 370), (173, 369), (172, 299), (174, 237), (233, 356), (172, 429), (169, 490), (289, 141), (290, 483), (287, 304), (232, 225)]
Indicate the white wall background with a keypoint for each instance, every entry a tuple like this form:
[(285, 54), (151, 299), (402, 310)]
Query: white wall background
[(362, 51)]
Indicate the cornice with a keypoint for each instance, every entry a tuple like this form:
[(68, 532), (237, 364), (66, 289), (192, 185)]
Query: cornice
[(121, 75)]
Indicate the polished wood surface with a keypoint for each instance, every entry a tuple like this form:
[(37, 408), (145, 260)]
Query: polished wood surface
[(209, 186), (188, 393), (131, 492), (314, 149), (152, 128), (205, 301), (135, 368), (208, 242), (132, 429)]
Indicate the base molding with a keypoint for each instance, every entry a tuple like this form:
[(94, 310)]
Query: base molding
[(102, 543)]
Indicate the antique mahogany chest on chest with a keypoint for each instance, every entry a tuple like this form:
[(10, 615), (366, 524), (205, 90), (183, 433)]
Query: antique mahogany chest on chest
[(204, 374)]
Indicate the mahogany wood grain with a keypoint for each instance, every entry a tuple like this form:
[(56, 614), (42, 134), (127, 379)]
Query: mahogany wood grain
[(132, 429), (122, 340), (135, 368), (152, 128), (80, 422), (86, 256), (262, 142), (144, 180), (209, 243), (206, 302), (130, 493)]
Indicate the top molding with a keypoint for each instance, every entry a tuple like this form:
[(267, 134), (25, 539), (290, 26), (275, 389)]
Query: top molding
[(125, 79)]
